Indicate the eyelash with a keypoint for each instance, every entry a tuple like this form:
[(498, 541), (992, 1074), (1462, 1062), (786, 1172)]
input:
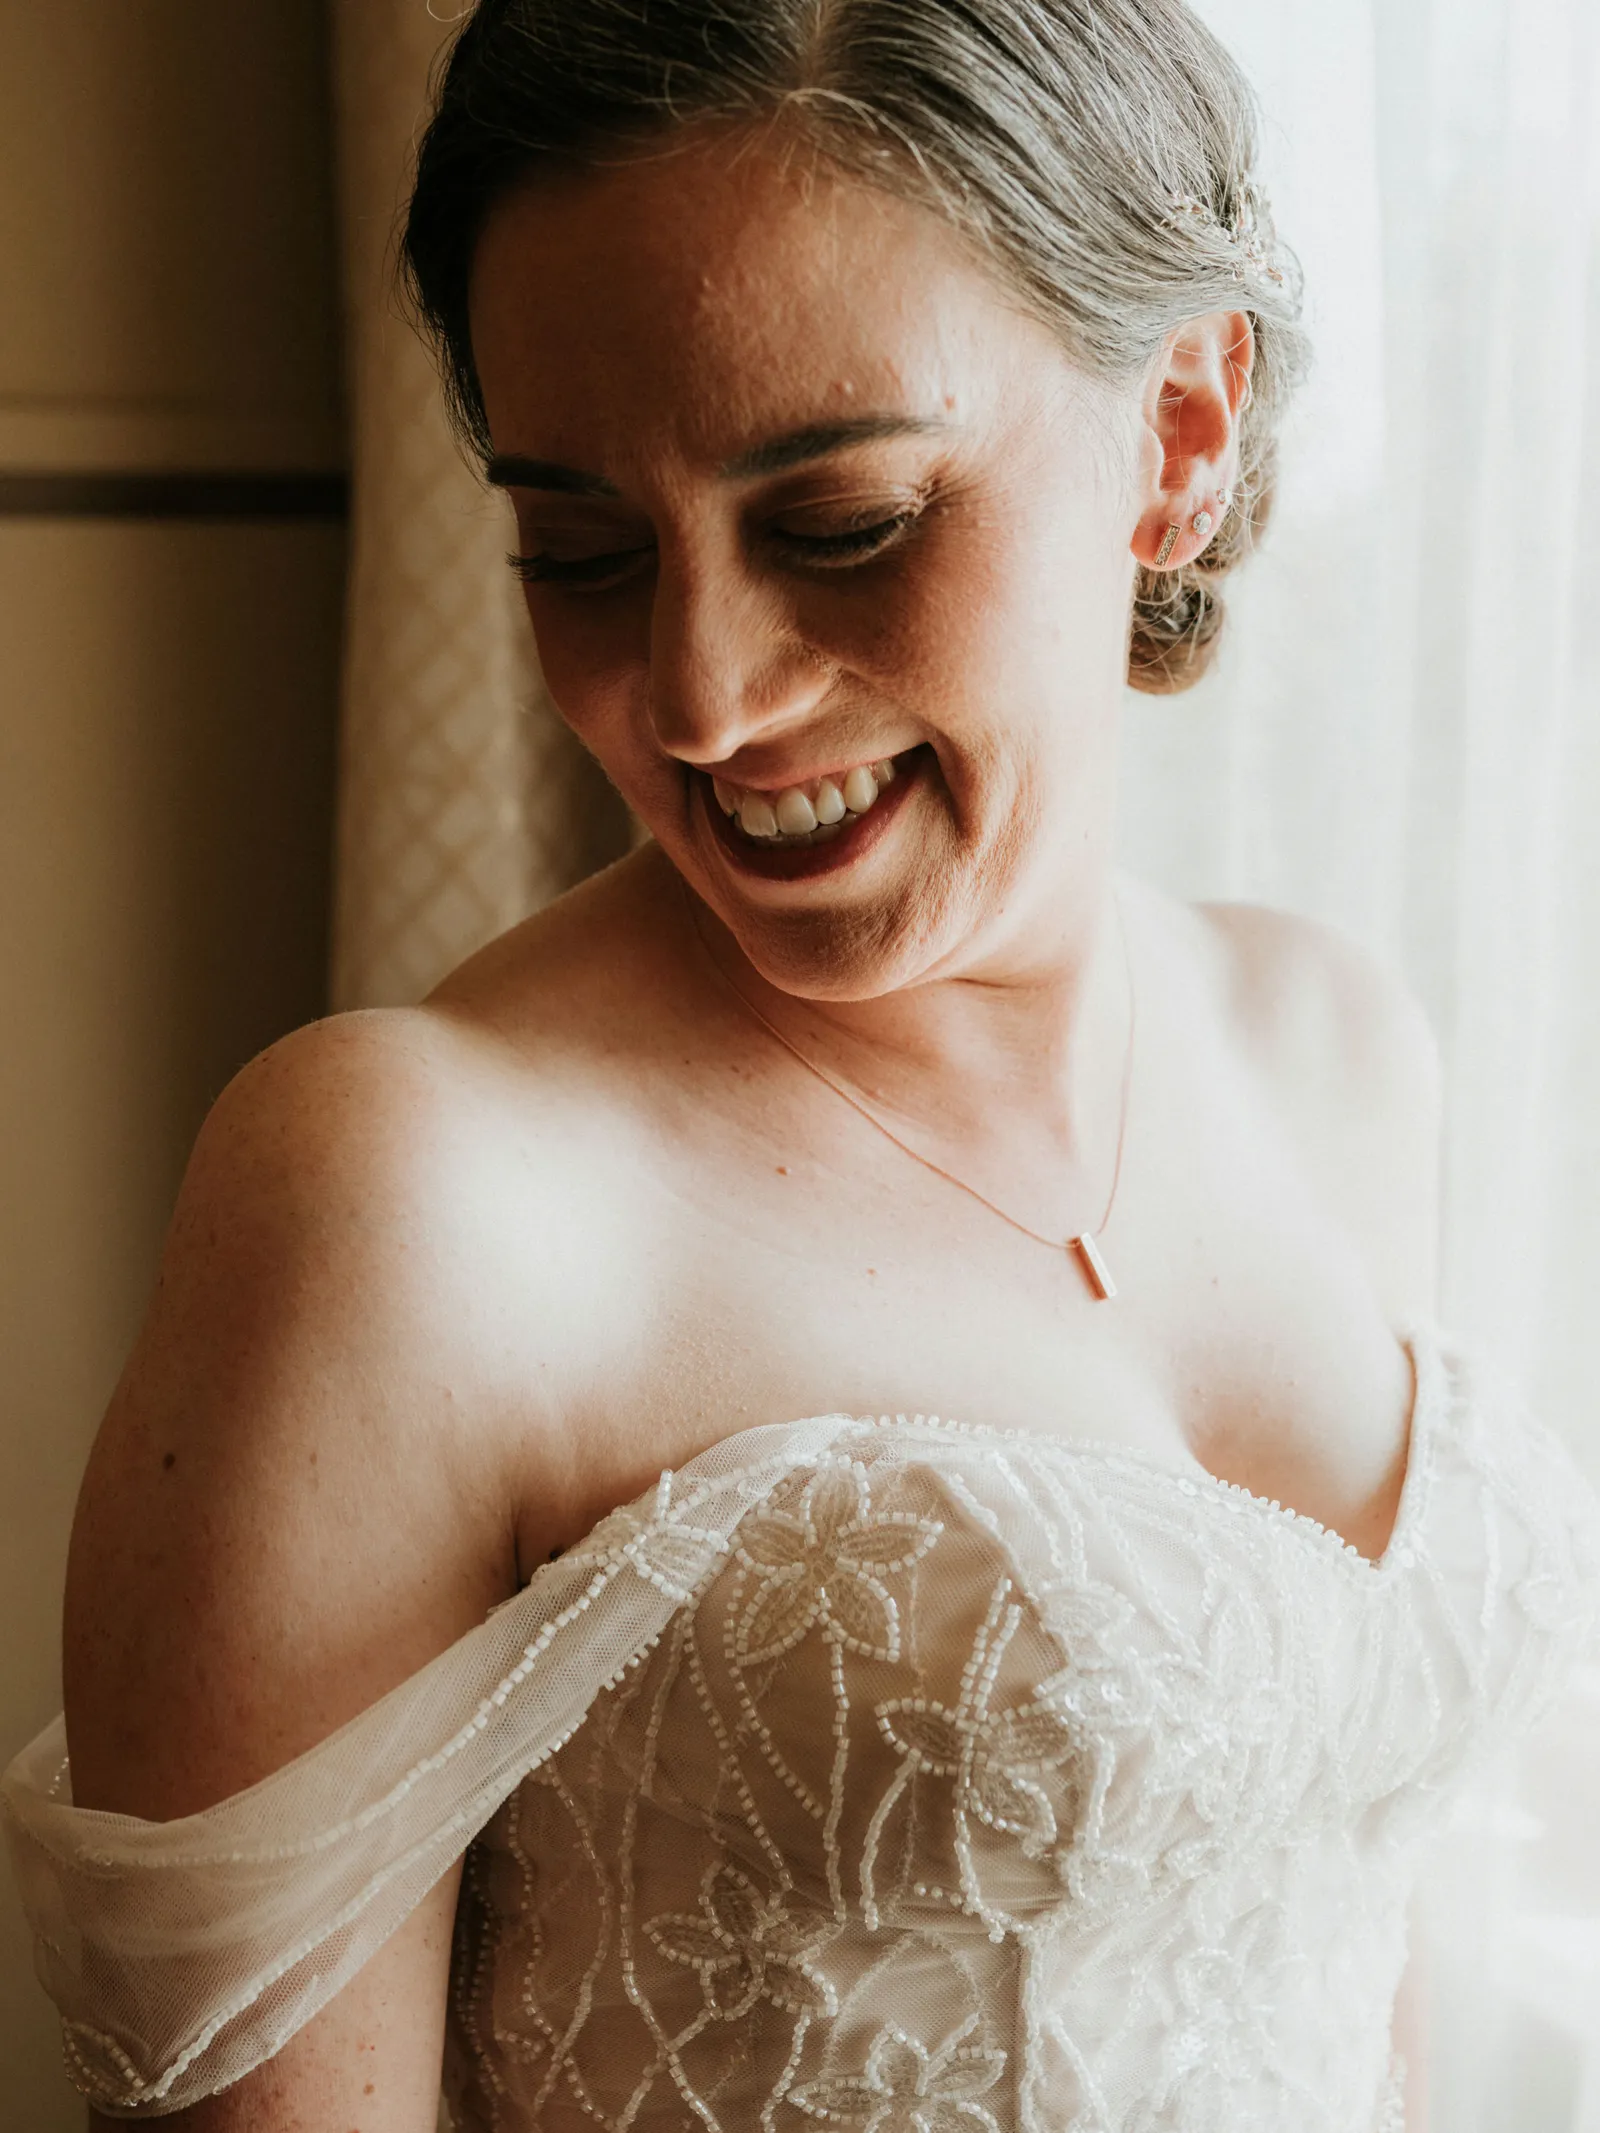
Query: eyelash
[(545, 570), (858, 545)]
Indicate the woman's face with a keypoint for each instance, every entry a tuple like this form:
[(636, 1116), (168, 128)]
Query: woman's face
[(800, 491)]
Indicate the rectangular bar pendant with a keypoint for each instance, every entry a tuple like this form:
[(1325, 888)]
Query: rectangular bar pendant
[(1094, 1266)]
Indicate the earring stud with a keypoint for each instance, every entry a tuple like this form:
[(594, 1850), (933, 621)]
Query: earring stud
[(1225, 502), (1202, 522), (1167, 545)]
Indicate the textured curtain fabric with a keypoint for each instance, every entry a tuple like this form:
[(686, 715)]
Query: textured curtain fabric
[(464, 802), (1401, 738)]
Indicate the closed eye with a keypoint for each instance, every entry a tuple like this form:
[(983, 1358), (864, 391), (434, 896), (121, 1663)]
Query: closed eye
[(835, 550), (821, 551), (589, 570)]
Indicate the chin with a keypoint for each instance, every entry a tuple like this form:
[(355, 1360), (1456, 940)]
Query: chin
[(904, 898), (853, 951)]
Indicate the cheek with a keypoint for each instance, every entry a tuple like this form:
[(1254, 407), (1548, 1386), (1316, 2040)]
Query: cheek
[(940, 624), (594, 658), (983, 620), (1047, 596)]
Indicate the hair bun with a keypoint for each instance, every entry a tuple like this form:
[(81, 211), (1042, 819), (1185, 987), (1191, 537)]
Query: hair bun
[(1177, 617)]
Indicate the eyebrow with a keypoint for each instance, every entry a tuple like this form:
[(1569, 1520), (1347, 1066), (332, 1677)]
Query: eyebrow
[(510, 470), (820, 438)]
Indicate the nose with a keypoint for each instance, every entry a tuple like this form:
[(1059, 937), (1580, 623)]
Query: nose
[(728, 662)]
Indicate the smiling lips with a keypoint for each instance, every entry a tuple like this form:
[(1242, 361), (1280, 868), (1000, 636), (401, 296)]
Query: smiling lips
[(805, 814)]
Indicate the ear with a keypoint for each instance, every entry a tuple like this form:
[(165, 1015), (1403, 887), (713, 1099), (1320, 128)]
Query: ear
[(1195, 397)]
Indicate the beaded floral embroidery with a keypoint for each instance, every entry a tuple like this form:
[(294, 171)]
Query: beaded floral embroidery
[(990, 1784), (748, 1948), (824, 1564), (897, 1775), (908, 2089)]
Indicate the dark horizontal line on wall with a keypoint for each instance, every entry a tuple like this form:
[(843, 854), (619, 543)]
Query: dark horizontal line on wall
[(174, 496)]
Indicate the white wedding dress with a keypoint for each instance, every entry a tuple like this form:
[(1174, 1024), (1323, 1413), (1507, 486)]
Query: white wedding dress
[(883, 1774)]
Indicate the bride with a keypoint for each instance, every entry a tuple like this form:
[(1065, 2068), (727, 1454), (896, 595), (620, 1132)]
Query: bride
[(856, 370)]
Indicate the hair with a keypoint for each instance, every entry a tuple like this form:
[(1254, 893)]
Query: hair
[(1100, 153)]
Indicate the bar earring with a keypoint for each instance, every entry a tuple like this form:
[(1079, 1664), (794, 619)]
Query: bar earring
[(1167, 545)]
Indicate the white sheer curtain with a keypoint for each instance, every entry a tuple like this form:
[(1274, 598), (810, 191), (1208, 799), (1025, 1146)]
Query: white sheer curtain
[(1402, 738), (1397, 740)]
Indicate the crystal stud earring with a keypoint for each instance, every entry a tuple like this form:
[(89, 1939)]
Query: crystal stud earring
[(1167, 545), (1202, 522), (1225, 502)]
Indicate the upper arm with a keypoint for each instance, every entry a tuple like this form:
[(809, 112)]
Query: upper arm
[(368, 2063), (293, 1503), (1352, 1067)]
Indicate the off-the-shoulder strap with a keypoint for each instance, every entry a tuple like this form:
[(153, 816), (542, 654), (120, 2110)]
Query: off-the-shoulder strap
[(182, 1954)]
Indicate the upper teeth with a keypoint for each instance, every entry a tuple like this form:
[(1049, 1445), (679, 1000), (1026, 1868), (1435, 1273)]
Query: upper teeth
[(800, 809)]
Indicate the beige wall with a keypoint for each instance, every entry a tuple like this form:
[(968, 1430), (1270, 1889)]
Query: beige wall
[(166, 238), (167, 695)]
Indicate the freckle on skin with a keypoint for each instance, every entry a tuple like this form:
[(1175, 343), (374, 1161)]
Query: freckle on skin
[(783, 1170), (367, 2091), (169, 1461)]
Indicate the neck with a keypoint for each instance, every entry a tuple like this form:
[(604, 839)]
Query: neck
[(1007, 1064)]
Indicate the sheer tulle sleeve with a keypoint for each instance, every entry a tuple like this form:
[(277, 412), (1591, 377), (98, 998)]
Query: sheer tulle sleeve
[(182, 1954), (867, 1766)]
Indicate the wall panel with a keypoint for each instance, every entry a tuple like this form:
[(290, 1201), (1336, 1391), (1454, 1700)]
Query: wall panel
[(166, 740), (168, 706), (166, 250)]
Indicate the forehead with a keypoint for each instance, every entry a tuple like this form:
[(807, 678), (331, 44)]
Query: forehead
[(729, 288)]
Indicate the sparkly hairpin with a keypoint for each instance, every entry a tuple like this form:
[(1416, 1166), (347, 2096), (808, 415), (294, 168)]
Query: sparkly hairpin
[(1252, 252), (1256, 234)]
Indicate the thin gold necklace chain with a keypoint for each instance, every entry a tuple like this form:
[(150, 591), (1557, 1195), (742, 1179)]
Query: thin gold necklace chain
[(1085, 1243)]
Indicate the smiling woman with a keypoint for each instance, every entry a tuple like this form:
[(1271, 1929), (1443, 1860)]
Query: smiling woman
[(879, 386), (705, 570)]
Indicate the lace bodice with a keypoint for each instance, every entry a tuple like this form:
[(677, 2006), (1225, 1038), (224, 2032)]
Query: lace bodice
[(886, 1774)]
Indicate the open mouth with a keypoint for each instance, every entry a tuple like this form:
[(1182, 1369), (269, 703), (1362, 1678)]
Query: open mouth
[(813, 826)]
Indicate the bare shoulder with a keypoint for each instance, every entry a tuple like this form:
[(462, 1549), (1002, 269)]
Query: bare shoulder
[(1312, 1001), (296, 1497), (355, 1165), (351, 1397), (301, 1492), (1352, 1068)]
